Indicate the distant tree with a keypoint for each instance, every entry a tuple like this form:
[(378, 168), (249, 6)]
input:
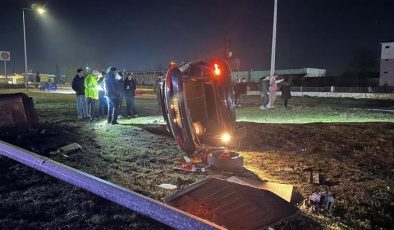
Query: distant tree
[(70, 73), (363, 65)]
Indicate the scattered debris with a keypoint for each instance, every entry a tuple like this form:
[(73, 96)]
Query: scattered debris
[(191, 168), (315, 178), (287, 169), (69, 148), (187, 159), (168, 186), (322, 202), (192, 165), (225, 159)]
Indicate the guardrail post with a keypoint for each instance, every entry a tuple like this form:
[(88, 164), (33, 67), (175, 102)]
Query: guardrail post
[(332, 89)]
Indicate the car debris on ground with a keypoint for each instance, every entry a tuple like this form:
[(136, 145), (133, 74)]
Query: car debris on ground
[(192, 166), (320, 202), (315, 178), (225, 203), (168, 186), (69, 148)]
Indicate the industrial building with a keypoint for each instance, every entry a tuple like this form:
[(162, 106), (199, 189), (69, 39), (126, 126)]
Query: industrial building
[(255, 75), (20, 79), (12, 79), (387, 64)]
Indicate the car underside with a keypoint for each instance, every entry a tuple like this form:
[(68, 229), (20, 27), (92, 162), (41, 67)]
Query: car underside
[(197, 104)]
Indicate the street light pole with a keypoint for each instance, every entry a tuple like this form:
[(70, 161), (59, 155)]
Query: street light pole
[(40, 10), (273, 49), (25, 49)]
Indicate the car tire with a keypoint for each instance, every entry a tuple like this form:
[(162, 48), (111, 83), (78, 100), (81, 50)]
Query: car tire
[(226, 164)]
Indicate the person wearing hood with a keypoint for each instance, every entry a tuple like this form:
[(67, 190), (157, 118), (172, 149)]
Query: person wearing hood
[(112, 92), (91, 92)]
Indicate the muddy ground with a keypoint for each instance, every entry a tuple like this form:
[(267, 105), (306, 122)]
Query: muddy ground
[(355, 159)]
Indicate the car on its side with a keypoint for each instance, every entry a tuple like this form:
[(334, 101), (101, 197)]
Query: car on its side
[(198, 104)]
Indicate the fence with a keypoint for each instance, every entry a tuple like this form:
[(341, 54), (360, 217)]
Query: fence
[(333, 89)]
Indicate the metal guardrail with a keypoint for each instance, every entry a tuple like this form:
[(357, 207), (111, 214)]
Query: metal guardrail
[(156, 210)]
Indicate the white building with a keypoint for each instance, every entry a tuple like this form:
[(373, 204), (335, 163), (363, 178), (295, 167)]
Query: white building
[(387, 64)]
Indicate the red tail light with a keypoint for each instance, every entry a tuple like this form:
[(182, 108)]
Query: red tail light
[(217, 70)]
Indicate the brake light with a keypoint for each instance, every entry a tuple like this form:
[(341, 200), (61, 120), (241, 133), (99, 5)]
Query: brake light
[(217, 70)]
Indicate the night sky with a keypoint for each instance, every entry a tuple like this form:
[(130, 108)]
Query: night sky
[(146, 35)]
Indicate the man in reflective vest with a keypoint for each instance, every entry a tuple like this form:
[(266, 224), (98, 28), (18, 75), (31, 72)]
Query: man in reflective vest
[(91, 93)]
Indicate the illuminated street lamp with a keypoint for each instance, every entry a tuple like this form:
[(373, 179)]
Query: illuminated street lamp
[(40, 11)]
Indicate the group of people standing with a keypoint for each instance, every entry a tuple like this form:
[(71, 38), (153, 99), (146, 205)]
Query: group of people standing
[(268, 86), (109, 89)]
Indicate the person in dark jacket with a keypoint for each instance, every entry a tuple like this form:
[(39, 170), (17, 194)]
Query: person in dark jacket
[(103, 104), (264, 85), (242, 88), (121, 90), (112, 92), (157, 89), (130, 85), (285, 88), (236, 91), (79, 88)]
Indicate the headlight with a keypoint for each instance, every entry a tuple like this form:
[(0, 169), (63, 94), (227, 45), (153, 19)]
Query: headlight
[(226, 137)]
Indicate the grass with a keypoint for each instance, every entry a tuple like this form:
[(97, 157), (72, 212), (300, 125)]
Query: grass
[(311, 110), (353, 156), (301, 109)]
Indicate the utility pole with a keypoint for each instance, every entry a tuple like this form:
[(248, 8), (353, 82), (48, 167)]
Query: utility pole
[(24, 43), (39, 10), (273, 49), (5, 70)]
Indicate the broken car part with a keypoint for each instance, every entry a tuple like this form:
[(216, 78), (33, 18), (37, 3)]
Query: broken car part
[(232, 205)]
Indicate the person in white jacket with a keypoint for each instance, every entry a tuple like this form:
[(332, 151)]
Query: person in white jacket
[(272, 90)]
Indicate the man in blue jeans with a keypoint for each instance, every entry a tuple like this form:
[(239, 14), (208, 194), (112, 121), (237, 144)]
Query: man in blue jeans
[(79, 88), (112, 92)]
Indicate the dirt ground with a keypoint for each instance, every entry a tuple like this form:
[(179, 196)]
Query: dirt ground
[(355, 159)]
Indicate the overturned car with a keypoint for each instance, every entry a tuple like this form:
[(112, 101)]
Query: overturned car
[(197, 104)]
